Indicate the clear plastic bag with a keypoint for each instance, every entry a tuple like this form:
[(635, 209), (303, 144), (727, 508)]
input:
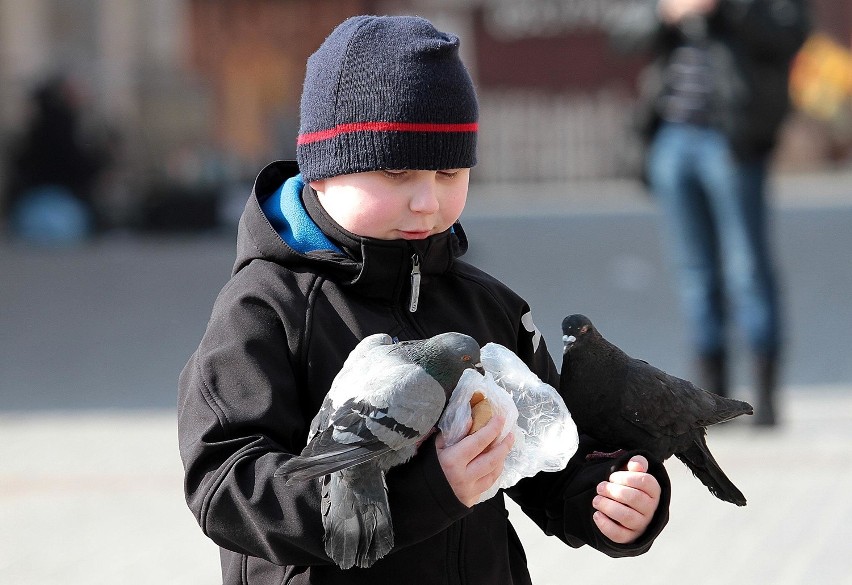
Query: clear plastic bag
[(454, 422), (545, 434), (550, 432)]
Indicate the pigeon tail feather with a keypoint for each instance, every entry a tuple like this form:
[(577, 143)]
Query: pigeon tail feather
[(357, 521), (301, 468), (727, 409), (701, 463)]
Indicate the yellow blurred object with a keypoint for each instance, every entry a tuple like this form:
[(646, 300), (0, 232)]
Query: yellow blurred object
[(821, 78)]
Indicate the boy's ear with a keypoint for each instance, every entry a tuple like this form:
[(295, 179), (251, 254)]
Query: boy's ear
[(318, 185)]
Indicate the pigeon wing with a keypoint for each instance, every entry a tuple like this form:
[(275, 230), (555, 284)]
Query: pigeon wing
[(408, 407), (358, 360), (389, 405), (346, 442), (661, 404)]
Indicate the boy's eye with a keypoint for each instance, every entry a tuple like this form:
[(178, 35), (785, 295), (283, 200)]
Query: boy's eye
[(400, 174)]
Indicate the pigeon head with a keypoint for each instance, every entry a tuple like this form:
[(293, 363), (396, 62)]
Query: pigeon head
[(576, 330), (445, 357)]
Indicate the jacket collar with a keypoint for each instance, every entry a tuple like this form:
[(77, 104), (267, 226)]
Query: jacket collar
[(377, 268)]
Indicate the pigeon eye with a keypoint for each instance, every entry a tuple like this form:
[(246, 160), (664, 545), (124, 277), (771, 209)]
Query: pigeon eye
[(465, 358)]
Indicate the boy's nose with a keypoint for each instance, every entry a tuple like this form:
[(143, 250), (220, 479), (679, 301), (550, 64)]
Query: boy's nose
[(425, 198)]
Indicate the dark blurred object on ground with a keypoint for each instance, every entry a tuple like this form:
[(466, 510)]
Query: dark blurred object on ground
[(53, 168)]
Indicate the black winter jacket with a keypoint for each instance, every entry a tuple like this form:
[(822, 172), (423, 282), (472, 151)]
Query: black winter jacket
[(751, 44), (279, 332)]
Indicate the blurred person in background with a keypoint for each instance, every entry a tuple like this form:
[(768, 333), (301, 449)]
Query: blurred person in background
[(711, 104), (52, 171)]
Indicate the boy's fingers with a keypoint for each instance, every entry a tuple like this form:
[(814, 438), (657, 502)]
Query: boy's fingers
[(472, 445), (637, 463), (490, 462), (612, 529), (640, 481), (467, 427)]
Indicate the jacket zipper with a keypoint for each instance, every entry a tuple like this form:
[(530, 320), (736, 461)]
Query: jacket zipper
[(415, 283)]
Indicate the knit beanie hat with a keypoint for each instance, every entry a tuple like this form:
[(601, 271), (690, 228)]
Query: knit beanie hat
[(386, 92)]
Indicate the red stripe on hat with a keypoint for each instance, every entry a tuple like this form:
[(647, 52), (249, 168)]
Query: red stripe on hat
[(384, 127)]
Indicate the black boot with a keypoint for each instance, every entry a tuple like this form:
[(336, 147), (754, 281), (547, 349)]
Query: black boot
[(713, 373), (766, 379)]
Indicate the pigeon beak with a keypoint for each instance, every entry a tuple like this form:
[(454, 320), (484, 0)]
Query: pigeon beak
[(567, 342), (478, 367)]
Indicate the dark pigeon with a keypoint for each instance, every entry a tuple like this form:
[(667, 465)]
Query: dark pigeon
[(629, 404), (384, 401)]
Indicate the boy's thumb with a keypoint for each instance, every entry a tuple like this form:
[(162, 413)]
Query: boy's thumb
[(637, 463)]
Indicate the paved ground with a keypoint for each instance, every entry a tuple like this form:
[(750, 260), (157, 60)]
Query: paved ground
[(95, 497), (795, 530), (93, 338)]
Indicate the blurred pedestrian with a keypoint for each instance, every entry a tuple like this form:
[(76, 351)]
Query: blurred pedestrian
[(712, 102), (52, 170)]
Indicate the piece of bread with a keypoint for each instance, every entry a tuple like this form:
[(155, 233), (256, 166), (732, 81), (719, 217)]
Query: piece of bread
[(480, 411)]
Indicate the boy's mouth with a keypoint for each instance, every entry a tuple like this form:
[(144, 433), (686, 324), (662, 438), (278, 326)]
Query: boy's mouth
[(415, 235)]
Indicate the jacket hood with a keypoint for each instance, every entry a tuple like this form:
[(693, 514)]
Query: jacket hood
[(307, 238)]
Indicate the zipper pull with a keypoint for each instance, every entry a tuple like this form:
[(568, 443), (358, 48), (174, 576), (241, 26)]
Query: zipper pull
[(415, 283)]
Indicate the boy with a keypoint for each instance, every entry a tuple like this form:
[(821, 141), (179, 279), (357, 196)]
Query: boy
[(362, 237)]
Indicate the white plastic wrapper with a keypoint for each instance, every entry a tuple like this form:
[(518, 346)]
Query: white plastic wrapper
[(454, 421), (545, 434), (550, 432)]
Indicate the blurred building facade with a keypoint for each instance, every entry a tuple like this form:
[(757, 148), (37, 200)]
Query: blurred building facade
[(203, 92), (553, 97), (128, 62)]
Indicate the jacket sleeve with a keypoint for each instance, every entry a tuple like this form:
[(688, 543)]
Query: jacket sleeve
[(242, 413), (560, 503), (239, 418)]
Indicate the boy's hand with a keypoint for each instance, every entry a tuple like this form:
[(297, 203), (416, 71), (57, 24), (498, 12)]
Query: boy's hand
[(473, 464), (626, 503)]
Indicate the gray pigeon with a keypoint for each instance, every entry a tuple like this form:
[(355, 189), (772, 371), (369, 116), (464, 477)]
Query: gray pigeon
[(628, 403), (385, 400)]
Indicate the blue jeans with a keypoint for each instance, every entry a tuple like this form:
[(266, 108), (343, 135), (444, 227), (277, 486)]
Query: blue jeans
[(714, 217)]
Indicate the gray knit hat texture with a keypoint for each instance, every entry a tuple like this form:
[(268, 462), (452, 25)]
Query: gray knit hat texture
[(386, 92)]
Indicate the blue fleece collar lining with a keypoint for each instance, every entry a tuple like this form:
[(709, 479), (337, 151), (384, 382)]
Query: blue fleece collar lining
[(286, 212)]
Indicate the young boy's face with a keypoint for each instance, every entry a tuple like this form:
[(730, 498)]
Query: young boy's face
[(393, 205)]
